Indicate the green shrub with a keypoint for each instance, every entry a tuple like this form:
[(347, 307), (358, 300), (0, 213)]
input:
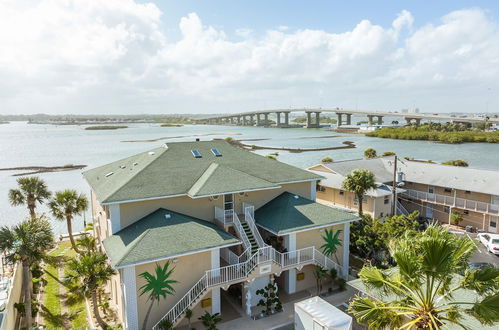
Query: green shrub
[(327, 159), (456, 218), (370, 153), (388, 153)]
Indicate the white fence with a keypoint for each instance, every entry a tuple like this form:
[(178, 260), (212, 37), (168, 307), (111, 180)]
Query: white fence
[(461, 203), (224, 216)]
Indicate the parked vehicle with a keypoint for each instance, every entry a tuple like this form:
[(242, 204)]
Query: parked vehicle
[(490, 241), (480, 265)]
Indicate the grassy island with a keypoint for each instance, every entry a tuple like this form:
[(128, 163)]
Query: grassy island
[(104, 127), (171, 125), (447, 133)]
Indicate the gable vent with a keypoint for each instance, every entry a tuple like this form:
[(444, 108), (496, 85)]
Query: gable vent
[(196, 153), (168, 216)]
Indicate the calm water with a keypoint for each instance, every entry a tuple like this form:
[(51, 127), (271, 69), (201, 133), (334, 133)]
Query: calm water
[(48, 145)]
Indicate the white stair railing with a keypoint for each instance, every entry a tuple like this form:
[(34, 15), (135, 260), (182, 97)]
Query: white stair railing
[(248, 217), (240, 271), (224, 216), (240, 231), (401, 209)]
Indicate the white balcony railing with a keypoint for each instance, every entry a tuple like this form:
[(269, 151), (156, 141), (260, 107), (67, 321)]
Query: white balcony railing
[(225, 217), (239, 272), (452, 201)]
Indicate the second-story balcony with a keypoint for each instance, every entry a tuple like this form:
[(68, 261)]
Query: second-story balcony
[(452, 201)]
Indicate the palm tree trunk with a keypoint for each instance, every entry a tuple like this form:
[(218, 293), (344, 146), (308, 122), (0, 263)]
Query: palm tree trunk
[(144, 325), (95, 304), (27, 294), (31, 208), (360, 198), (70, 232)]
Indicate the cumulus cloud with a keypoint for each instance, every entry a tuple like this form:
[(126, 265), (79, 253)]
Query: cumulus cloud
[(112, 56)]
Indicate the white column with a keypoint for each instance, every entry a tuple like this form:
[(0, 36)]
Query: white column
[(115, 217), (346, 249), (215, 293), (313, 190), (290, 275), (130, 298)]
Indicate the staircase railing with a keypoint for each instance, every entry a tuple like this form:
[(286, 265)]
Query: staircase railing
[(248, 217), (240, 231), (224, 216), (240, 271), (401, 209)]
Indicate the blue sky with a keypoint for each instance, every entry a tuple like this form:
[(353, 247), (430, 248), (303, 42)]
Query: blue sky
[(332, 16), (142, 56)]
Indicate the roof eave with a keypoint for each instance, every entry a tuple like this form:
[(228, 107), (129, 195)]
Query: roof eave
[(308, 228)]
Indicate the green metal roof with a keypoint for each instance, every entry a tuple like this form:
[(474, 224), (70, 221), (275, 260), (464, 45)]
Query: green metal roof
[(461, 295), (157, 237), (173, 170), (288, 213)]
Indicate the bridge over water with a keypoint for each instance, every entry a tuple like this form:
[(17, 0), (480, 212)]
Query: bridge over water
[(344, 117)]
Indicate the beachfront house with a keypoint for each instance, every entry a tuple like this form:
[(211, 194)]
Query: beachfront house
[(436, 191), (229, 221)]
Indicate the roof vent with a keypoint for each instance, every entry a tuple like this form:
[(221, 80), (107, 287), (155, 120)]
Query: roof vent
[(168, 216), (151, 153), (296, 196), (122, 166), (196, 153), (135, 164), (109, 174), (165, 146), (197, 140)]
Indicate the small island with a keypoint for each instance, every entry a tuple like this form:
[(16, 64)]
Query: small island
[(446, 133), (171, 125), (104, 127)]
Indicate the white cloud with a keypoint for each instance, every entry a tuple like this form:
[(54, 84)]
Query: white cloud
[(113, 56)]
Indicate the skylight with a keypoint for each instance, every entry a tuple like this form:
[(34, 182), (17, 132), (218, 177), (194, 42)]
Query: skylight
[(216, 152), (196, 153)]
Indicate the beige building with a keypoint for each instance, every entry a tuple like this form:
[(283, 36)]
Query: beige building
[(436, 191), (228, 220)]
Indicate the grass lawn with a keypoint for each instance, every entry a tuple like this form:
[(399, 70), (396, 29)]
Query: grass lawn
[(52, 309)]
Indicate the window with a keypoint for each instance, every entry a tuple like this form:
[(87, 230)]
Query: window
[(431, 190), (466, 212), (342, 192), (364, 199), (387, 200), (447, 190), (196, 153), (216, 152), (446, 209), (467, 192)]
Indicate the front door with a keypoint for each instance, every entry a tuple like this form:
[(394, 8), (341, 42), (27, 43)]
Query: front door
[(229, 205), (493, 224), (429, 211)]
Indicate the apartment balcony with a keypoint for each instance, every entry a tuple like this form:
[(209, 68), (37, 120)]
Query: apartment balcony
[(451, 201)]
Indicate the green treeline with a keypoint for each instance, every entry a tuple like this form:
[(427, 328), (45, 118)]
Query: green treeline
[(449, 133)]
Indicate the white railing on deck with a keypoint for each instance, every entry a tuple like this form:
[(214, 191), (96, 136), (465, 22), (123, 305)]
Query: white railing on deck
[(248, 217), (250, 208), (461, 203), (238, 272), (224, 216)]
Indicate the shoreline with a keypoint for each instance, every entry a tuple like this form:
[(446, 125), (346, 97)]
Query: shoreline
[(238, 143), (42, 169)]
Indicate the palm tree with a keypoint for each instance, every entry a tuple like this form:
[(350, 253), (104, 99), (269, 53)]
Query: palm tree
[(210, 320), (157, 286), (26, 243), (358, 182), (370, 153), (331, 243), (320, 274), (65, 206), (31, 190), (422, 289), (86, 274), (87, 243)]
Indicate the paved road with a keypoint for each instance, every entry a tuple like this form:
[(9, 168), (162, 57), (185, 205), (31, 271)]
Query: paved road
[(481, 255)]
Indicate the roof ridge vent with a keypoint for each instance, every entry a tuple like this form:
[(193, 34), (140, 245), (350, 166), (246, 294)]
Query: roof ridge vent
[(109, 174)]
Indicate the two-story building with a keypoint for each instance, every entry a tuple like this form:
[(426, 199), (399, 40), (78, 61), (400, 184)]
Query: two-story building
[(435, 190), (228, 220)]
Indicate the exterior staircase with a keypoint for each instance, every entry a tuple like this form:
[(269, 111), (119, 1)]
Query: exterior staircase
[(251, 237)]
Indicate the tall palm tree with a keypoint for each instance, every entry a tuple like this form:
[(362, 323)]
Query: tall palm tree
[(65, 205), (86, 274), (31, 190), (358, 182), (421, 292), (331, 243), (26, 243), (157, 286)]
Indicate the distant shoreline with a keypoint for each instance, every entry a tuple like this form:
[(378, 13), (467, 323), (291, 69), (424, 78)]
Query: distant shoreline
[(42, 169), (238, 143)]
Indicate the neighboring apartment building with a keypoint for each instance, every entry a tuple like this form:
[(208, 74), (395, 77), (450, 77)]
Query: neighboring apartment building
[(435, 190), (210, 208)]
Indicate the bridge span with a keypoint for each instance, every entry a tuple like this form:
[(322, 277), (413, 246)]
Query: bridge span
[(344, 117)]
